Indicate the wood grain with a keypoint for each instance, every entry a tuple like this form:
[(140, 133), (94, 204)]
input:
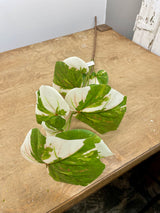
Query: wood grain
[(135, 72)]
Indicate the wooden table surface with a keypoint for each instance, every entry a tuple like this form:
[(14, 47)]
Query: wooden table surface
[(135, 72)]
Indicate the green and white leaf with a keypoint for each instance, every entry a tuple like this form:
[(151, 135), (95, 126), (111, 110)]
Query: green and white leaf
[(67, 78), (99, 106), (103, 150), (51, 109), (69, 74), (107, 119), (77, 63), (53, 125), (88, 99), (75, 96), (62, 148), (115, 98), (83, 166), (93, 81), (32, 148), (101, 77), (72, 156), (49, 101), (67, 143), (26, 148)]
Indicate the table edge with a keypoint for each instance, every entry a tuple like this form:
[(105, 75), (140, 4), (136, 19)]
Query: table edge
[(105, 180)]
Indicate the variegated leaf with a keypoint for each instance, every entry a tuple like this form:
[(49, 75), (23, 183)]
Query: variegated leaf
[(72, 156), (77, 63), (88, 99), (69, 74), (84, 165), (32, 148), (101, 77), (51, 108), (99, 106)]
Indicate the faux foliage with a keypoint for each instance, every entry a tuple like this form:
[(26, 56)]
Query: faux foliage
[(73, 156)]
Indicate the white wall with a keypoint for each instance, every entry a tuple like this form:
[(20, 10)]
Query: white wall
[(24, 22), (121, 15)]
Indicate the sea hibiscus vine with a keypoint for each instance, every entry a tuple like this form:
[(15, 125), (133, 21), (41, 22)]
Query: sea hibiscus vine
[(73, 156), (97, 105)]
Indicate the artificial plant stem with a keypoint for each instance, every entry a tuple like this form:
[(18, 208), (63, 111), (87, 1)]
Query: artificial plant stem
[(95, 38), (94, 45), (91, 69), (67, 127)]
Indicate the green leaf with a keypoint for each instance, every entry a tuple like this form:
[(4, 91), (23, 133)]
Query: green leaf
[(77, 63), (71, 157), (82, 167), (102, 77), (85, 78), (67, 78), (37, 143), (88, 97), (46, 154), (75, 134), (95, 97), (93, 75), (40, 118), (98, 105), (50, 102), (50, 107), (61, 112), (56, 121), (40, 105), (52, 121), (34, 147), (104, 121)]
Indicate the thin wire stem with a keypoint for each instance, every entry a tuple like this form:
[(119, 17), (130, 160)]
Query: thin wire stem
[(95, 43), (95, 38)]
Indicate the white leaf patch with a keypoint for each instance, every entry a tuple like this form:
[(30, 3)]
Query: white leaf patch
[(75, 96), (52, 100), (49, 132), (79, 94), (38, 112), (103, 149), (26, 148), (115, 98), (94, 81), (76, 62), (62, 148)]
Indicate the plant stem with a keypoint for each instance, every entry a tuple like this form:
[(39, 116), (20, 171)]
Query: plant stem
[(94, 45), (68, 123)]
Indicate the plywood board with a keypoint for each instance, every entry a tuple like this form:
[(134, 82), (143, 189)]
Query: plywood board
[(26, 187)]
